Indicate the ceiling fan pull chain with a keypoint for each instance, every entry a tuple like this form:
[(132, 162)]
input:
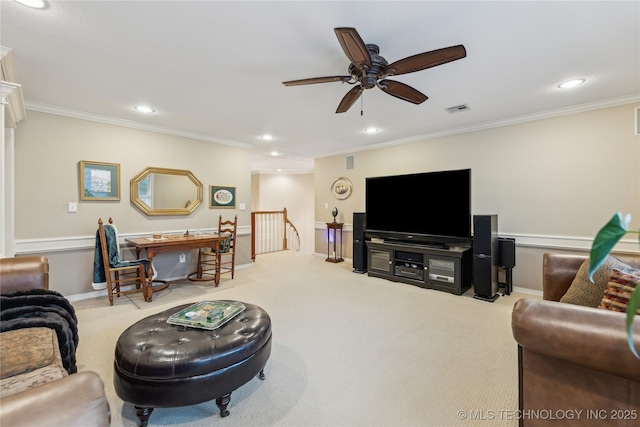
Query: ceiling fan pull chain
[(362, 105)]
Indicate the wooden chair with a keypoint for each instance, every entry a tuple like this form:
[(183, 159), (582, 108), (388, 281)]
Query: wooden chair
[(225, 260), (119, 273), (228, 250)]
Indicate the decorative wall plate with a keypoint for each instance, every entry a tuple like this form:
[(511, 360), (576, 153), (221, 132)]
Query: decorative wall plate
[(341, 188)]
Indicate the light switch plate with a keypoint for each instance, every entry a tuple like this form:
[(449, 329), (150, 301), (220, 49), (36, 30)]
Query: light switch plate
[(72, 207), (242, 206)]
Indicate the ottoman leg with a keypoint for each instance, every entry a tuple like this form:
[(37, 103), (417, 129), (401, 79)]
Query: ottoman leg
[(222, 403), (143, 415), (261, 374)]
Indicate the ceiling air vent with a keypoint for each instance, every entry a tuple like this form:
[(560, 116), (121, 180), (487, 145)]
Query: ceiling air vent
[(458, 108)]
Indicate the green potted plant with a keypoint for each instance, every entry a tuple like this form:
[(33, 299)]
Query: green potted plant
[(604, 241)]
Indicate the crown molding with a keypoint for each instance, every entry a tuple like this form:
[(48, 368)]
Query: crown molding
[(12, 96), (7, 70), (67, 112), (573, 109), (11, 92)]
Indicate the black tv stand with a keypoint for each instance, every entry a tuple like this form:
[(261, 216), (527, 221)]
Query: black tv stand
[(428, 266), (433, 245), (418, 245)]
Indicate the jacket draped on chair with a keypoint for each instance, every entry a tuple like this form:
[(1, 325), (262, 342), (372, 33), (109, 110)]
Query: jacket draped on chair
[(113, 249)]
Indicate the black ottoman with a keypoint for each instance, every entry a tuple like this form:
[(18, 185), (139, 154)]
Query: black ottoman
[(160, 365)]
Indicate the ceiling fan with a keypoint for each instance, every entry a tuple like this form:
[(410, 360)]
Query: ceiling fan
[(368, 69)]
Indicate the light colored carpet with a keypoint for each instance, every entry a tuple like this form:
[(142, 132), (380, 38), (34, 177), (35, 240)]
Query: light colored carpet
[(348, 350)]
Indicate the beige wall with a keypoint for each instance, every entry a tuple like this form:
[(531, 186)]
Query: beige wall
[(552, 182), (47, 151)]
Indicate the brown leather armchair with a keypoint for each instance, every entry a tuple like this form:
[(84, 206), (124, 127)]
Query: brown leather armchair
[(73, 400), (22, 273), (574, 363)]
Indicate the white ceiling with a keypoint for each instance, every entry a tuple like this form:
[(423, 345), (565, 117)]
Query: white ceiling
[(214, 69)]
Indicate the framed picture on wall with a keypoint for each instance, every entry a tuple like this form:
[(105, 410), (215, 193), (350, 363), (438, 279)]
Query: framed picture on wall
[(99, 181), (341, 188), (222, 197)]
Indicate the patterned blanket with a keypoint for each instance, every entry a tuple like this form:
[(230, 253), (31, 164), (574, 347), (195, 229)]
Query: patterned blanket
[(43, 308)]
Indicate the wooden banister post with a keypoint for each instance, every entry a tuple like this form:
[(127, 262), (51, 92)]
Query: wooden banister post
[(286, 221), (253, 236)]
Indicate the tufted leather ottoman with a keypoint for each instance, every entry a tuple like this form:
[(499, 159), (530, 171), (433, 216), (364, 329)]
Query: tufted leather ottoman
[(160, 365)]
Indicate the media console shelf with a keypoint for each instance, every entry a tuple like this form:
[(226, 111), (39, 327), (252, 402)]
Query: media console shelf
[(443, 269)]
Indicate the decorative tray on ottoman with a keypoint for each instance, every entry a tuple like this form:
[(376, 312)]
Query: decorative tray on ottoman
[(207, 314)]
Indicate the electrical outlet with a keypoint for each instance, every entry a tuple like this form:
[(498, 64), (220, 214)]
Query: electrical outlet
[(183, 258)]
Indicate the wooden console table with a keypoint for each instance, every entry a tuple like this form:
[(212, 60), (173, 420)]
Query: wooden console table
[(337, 249), (176, 243)]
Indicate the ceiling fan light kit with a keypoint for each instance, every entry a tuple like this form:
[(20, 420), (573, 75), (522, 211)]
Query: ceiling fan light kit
[(368, 69)]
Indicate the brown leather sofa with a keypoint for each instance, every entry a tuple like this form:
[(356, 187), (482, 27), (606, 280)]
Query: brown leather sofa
[(36, 388), (575, 366)]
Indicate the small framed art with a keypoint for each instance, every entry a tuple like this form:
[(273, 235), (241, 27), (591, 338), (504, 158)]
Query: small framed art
[(99, 181), (222, 197)]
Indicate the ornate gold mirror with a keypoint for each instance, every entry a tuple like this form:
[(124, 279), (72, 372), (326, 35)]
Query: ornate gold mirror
[(160, 191)]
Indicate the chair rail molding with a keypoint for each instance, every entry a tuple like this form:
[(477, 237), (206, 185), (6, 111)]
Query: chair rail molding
[(544, 241), (74, 243)]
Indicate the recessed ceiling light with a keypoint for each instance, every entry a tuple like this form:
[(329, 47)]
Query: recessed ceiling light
[(267, 137), (279, 170), (144, 109), (571, 84), (275, 153), (371, 130), (36, 4)]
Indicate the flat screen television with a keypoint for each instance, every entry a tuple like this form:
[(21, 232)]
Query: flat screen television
[(432, 208)]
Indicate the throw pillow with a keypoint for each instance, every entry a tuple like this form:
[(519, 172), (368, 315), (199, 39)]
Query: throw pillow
[(618, 291), (584, 292)]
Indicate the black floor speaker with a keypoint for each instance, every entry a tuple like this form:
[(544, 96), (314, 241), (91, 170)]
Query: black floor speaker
[(506, 252), (359, 245), (485, 257)]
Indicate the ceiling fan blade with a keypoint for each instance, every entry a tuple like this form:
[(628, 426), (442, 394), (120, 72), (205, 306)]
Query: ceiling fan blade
[(348, 100), (402, 91), (354, 47), (317, 80), (425, 60)]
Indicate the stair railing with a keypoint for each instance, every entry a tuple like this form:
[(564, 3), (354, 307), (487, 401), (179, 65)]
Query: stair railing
[(269, 231)]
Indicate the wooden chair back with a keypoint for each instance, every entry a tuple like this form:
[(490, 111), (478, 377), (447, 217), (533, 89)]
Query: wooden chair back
[(121, 273), (228, 252)]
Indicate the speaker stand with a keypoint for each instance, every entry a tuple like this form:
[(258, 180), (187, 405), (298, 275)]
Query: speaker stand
[(487, 299), (508, 286)]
